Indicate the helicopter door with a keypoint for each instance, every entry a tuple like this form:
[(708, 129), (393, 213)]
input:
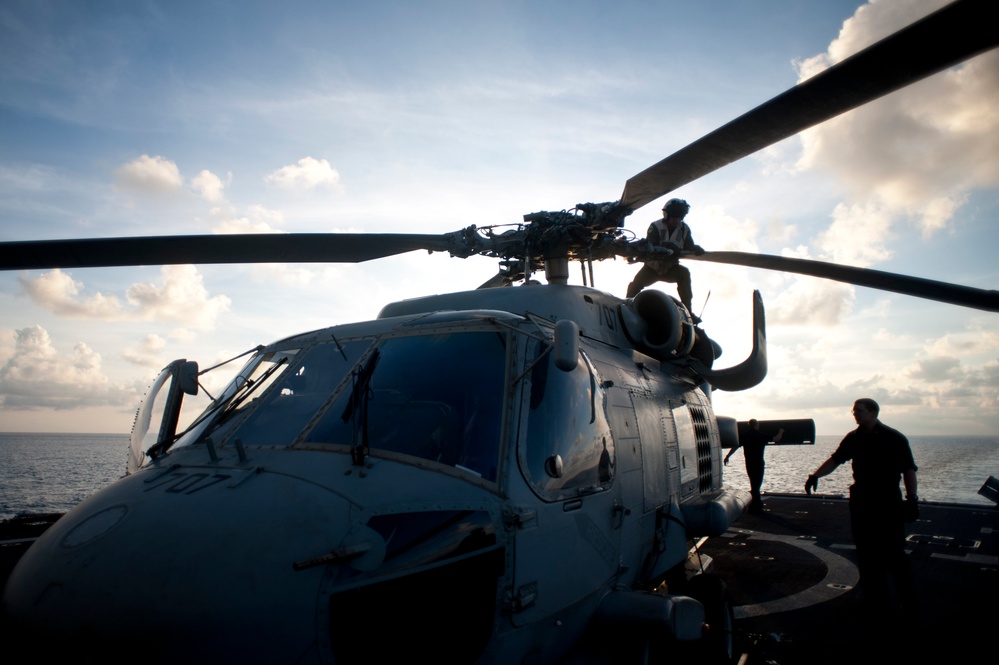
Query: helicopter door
[(567, 519)]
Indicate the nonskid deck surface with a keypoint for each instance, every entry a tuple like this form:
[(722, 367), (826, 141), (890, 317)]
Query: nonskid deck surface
[(792, 576)]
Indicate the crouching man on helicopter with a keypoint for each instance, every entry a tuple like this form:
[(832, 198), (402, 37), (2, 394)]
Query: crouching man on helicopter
[(670, 232)]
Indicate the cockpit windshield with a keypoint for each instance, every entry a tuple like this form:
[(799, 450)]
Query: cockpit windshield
[(301, 390), (437, 396), (238, 397)]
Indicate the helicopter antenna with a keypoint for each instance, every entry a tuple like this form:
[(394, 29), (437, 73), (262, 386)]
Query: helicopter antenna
[(705, 305)]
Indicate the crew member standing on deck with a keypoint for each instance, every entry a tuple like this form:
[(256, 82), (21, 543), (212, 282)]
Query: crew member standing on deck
[(753, 444), (880, 455), (672, 233)]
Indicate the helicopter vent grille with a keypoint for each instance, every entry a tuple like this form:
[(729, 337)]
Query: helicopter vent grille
[(702, 433)]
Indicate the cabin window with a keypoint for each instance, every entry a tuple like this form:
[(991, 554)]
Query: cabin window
[(568, 449), (437, 397)]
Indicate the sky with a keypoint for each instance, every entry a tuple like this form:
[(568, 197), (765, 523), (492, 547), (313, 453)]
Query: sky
[(157, 118)]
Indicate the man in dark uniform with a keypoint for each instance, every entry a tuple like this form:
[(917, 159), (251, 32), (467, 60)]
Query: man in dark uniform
[(880, 455), (672, 233), (753, 443)]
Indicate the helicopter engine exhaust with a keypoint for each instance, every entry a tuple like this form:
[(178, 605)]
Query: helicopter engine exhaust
[(658, 325), (661, 327)]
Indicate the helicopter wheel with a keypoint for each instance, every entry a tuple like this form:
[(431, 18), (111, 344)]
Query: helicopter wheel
[(719, 645)]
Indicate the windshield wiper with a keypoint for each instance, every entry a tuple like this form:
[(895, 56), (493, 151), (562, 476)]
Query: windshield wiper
[(250, 385), (359, 398)]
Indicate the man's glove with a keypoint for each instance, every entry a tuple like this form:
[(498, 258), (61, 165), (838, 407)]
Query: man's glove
[(910, 510), (811, 485), (698, 250)]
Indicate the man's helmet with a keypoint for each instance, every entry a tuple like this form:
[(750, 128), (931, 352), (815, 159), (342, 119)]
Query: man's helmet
[(676, 208)]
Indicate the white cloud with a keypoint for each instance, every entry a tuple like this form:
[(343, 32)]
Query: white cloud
[(858, 235), (8, 339), (39, 376), (209, 186), (715, 229), (179, 298), (930, 385), (811, 302), (935, 370), (58, 293), (924, 147), (307, 173), (257, 219), (147, 353), (150, 175)]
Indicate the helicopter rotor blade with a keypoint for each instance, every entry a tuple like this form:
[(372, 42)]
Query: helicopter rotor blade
[(499, 279), (202, 249), (942, 39), (954, 294)]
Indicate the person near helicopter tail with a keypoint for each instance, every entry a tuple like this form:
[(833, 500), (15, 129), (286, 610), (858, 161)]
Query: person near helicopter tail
[(753, 442), (670, 232)]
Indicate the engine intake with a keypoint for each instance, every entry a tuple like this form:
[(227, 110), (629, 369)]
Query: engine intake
[(658, 324)]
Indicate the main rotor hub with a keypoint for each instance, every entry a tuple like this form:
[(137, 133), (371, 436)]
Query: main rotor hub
[(549, 240)]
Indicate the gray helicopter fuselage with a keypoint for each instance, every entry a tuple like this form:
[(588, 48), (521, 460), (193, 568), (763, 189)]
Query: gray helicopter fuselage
[(428, 482)]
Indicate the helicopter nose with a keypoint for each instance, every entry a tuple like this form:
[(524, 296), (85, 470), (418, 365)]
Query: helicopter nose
[(187, 554)]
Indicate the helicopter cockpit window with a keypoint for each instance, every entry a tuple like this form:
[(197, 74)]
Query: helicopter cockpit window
[(437, 397), (301, 390), (236, 399), (253, 380), (568, 449)]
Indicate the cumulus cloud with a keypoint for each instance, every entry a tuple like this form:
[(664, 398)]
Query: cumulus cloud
[(935, 370), (256, 219), (37, 376), (148, 353), (925, 147), (720, 231), (811, 302), (149, 175), (306, 173), (929, 385), (180, 297), (60, 294), (209, 186), (858, 235)]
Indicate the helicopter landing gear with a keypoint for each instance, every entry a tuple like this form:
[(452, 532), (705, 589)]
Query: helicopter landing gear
[(718, 646)]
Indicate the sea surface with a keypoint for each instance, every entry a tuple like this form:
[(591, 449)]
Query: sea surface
[(42, 473)]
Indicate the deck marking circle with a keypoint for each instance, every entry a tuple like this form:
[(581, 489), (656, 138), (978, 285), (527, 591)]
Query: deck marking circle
[(841, 576)]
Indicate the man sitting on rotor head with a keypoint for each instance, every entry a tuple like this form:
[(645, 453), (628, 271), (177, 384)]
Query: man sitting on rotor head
[(672, 233)]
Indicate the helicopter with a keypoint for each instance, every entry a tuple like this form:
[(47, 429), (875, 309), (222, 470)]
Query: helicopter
[(518, 471)]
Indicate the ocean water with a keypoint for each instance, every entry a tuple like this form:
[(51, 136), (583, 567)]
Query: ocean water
[(951, 468), (44, 473), (53, 472)]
